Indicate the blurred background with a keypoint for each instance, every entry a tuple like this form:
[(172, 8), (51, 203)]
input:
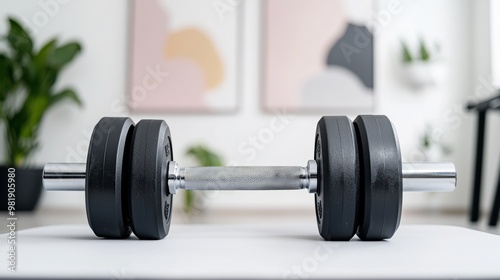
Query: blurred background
[(245, 82)]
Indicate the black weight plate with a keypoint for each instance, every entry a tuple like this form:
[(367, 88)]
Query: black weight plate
[(381, 177), (150, 202), (338, 178), (107, 183)]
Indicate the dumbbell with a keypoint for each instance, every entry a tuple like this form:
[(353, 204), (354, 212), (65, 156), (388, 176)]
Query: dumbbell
[(357, 177)]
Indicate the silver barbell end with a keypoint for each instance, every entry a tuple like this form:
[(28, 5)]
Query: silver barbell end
[(64, 176)]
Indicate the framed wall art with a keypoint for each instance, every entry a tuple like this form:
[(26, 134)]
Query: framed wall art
[(317, 56), (184, 57)]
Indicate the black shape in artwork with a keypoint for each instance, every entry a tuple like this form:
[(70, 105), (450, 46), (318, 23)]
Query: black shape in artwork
[(354, 51)]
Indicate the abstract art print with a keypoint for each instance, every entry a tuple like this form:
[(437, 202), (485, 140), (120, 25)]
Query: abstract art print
[(318, 56), (184, 57)]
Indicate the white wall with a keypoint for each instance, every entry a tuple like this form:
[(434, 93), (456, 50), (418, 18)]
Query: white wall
[(100, 74)]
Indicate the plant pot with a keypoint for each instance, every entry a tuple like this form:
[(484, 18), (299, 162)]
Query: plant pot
[(420, 74), (28, 182)]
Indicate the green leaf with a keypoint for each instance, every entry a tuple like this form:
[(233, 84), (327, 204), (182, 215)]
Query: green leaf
[(424, 53), (47, 51), (188, 201), (19, 39), (39, 75), (65, 94), (407, 58), (6, 78), (205, 156), (33, 110), (64, 54), (46, 81), (446, 150)]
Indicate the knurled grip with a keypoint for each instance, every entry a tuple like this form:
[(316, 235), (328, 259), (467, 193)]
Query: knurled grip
[(244, 178)]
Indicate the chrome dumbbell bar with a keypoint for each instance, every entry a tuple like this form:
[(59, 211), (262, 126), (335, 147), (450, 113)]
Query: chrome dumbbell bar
[(417, 177)]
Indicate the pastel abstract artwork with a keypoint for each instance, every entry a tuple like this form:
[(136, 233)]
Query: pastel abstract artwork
[(183, 58), (324, 64)]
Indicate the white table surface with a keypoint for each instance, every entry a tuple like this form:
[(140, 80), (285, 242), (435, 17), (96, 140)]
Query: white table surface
[(254, 252)]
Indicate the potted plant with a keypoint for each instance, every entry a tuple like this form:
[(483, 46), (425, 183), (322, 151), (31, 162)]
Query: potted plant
[(422, 69), (27, 92)]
